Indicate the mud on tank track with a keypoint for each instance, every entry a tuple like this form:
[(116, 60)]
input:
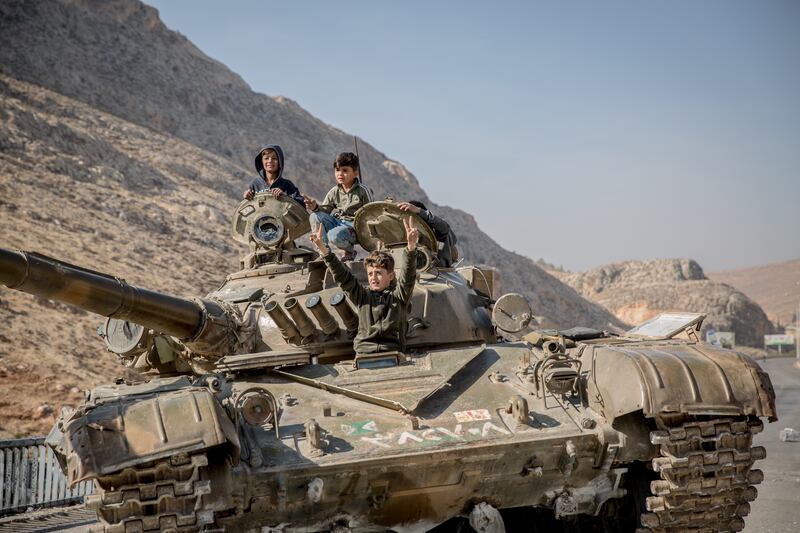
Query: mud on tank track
[(706, 476)]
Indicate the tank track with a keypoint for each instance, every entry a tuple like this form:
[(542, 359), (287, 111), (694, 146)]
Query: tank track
[(706, 476), (165, 496)]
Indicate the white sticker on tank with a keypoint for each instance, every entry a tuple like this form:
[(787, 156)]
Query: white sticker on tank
[(473, 415)]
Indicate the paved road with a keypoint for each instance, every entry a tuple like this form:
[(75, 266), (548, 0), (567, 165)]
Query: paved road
[(777, 509)]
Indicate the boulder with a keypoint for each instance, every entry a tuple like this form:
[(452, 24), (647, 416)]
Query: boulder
[(635, 291)]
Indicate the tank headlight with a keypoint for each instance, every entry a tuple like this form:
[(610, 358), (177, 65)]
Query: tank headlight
[(257, 406)]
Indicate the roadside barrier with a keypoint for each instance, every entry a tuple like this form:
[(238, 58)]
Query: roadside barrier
[(32, 478)]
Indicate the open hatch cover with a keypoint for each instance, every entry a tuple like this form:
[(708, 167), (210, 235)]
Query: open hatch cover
[(667, 325)]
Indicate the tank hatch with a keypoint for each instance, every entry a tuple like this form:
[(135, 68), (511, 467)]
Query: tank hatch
[(269, 226), (380, 225)]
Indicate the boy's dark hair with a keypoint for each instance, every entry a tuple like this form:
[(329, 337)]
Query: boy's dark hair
[(417, 203), (380, 259), (346, 159)]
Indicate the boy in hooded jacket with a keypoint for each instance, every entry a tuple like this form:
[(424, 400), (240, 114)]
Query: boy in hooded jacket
[(383, 306), (337, 211), (269, 165)]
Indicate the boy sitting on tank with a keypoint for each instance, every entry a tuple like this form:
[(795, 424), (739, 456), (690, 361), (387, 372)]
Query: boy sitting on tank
[(338, 210), (269, 165), (448, 254), (382, 308)]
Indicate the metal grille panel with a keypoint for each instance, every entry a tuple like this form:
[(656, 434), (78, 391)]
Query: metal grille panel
[(32, 478)]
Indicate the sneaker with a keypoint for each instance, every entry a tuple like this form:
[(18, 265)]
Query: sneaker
[(349, 255)]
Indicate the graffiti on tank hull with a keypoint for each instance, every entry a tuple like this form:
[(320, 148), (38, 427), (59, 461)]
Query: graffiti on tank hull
[(365, 427), (477, 425)]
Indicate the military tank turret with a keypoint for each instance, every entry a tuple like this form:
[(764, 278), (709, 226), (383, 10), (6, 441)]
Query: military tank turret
[(253, 413)]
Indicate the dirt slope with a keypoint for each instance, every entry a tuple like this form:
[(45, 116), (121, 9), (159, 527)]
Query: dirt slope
[(775, 287), (92, 189)]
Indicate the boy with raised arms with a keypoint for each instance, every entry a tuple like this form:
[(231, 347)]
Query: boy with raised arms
[(383, 306)]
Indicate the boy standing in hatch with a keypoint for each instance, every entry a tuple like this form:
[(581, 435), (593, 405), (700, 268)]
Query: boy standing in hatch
[(382, 307), (269, 165), (338, 210)]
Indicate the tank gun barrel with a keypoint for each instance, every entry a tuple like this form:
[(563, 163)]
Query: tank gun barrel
[(100, 293)]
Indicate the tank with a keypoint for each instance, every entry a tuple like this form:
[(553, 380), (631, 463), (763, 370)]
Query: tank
[(253, 413)]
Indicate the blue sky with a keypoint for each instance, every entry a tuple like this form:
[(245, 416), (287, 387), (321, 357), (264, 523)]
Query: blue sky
[(580, 132)]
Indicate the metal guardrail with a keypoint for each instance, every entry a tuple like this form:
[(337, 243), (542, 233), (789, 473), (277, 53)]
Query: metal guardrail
[(31, 477)]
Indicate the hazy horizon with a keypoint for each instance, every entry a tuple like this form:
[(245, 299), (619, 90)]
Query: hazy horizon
[(582, 135)]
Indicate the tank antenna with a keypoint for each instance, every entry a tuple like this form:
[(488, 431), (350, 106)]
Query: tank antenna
[(360, 167)]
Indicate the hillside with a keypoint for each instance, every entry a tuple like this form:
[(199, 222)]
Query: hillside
[(775, 287), (638, 290), (94, 190), (117, 56), (123, 149)]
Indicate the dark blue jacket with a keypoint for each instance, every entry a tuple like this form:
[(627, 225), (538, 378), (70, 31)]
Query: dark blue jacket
[(260, 183)]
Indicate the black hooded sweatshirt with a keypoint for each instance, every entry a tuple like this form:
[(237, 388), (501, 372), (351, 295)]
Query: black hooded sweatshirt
[(260, 183)]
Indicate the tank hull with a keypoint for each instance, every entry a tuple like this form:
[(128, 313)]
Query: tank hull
[(339, 459)]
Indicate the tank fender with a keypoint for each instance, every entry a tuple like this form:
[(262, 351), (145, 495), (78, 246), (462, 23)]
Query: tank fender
[(687, 378), (128, 431)]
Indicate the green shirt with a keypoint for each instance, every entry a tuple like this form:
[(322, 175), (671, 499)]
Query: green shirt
[(344, 204), (381, 314)]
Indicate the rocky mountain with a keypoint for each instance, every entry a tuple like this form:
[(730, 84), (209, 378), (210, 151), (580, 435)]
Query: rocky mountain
[(637, 290), (775, 287), (117, 56), (123, 148), (95, 190)]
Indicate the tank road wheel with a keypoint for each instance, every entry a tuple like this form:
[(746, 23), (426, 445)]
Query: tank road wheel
[(165, 496), (706, 481)]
